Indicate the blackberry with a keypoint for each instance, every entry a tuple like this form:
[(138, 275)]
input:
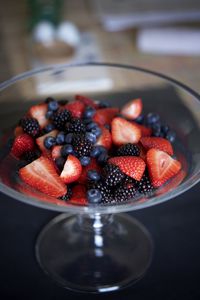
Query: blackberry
[(60, 118), (144, 185), (76, 126), (106, 192), (113, 175), (81, 146), (30, 126), (128, 150), (124, 193), (30, 156)]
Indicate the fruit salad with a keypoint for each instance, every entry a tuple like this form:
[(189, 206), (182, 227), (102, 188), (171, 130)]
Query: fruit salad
[(88, 152)]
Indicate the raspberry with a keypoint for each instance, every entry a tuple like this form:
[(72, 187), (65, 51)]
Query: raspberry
[(128, 150), (30, 126)]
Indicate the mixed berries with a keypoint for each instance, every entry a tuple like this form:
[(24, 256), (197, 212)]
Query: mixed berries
[(86, 152)]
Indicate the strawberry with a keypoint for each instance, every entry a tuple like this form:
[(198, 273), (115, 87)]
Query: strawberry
[(105, 115), (39, 112), (161, 166), (105, 138), (87, 101), (72, 169), (18, 130), (79, 195), (40, 141), (146, 131), (41, 175), (56, 152), (92, 166), (76, 108), (172, 184), (132, 166), (22, 143), (124, 132), (157, 143), (132, 109)]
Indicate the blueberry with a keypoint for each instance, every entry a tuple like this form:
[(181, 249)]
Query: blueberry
[(102, 158), (49, 114), (93, 175), (97, 131), (91, 125), (140, 119), (49, 142), (171, 136), (60, 161), (103, 104), (66, 149), (89, 112), (165, 129), (91, 137), (85, 160), (94, 196), (97, 151), (49, 127), (60, 139), (53, 105), (68, 138), (156, 128), (152, 118)]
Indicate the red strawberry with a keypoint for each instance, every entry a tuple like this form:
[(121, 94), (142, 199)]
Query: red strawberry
[(172, 184), (76, 108), (105, 138), (18, 131), (22, 143), (124, 132), (40, 141), (39, 112), (92, 166), (72, 169), (157, 143), (56, 152), (161, 166), (105, 115), (146, 131), (78, 195), (41, 175), (132, 109), (87, 101), (132, 166)]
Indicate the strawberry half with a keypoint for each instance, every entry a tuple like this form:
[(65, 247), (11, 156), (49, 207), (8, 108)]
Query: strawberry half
[(22, 143), (132, 166), (72, 169), (76, 108), (124, 132), (41, 175), (132, 109), (157, 143), (105, 138), (105, 115), (146, 131), (161, 166), (78, 195), (86, 101), (39, 112), (92, 166)]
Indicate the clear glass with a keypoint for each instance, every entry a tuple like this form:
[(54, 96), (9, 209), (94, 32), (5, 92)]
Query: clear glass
[(90, 233)]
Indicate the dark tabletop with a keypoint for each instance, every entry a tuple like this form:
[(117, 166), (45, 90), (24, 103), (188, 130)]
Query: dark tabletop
[(174, 272)]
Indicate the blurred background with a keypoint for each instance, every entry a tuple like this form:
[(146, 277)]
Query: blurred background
[(160, 35)]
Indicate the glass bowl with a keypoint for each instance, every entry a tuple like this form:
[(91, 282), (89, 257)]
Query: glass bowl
[(97, 248)]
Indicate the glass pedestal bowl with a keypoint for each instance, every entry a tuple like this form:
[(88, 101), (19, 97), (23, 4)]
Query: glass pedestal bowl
[(99, 248)]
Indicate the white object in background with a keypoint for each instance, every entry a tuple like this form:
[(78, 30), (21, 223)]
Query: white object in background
[(68, 33), (44, 32), (169, 40)]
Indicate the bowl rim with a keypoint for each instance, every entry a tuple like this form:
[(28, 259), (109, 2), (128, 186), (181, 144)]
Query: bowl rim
[(111, 208)]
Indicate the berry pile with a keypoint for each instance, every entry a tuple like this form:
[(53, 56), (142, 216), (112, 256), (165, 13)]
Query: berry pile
[(88, 152)]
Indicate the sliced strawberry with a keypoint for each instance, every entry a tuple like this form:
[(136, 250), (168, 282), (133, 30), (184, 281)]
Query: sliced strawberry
[(72, 169), (132, 109), (18, 131), (132, 166), (78, 195), (22, 143), (143, 152), (124, 132), (40, 142), (105, 138), (172, 184), (157, 143), (41, 175), (105, 115), (92, 166), (87, 101), (161, 166), (76, 108), (56, 152), (39, 112), (146, 131)]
